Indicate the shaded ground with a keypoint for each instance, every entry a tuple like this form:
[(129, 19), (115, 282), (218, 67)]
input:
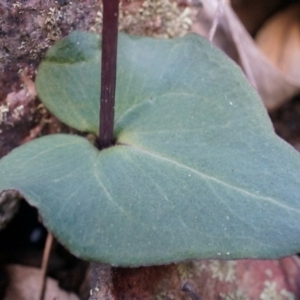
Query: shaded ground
[(286, 121)]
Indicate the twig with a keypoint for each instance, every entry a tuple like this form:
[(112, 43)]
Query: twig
[(217, 16), (189, 290), (45, 261)]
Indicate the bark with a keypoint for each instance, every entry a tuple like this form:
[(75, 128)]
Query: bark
[(28, 28), (101, 282)]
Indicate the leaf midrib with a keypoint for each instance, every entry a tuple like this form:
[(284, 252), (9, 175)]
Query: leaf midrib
[(210, 178)]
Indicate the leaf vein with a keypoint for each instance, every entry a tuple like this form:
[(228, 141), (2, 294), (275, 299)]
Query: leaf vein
[(209, 177)]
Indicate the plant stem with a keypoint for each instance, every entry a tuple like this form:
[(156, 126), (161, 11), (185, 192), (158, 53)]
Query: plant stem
[(108, 72), (101, 281)]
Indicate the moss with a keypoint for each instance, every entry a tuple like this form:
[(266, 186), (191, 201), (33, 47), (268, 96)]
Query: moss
[(29, 28), (223, 270), (237, 295), (271, 292)]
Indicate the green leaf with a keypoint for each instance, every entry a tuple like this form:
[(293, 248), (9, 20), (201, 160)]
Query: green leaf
[(197, 170)]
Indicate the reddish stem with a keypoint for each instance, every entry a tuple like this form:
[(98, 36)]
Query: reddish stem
[(108, 72)]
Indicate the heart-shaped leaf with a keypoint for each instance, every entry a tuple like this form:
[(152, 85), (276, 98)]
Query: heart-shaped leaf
[(197, 170)]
